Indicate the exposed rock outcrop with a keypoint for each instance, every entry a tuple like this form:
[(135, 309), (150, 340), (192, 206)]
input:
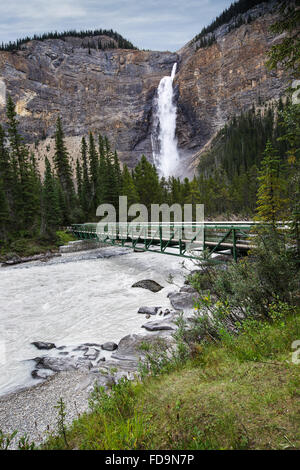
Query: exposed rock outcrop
[(112, 91), (153, 286)]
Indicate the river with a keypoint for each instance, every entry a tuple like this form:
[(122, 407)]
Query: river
[(76, 298)]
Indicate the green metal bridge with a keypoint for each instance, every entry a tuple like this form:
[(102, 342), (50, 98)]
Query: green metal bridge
[(186, 240)]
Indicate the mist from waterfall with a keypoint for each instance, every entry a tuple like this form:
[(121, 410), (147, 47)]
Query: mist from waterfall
[(164, 142)]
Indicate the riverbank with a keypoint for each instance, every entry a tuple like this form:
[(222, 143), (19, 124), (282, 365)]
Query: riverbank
[(32, 411), (77, 299), (28, 247), (215, 400)]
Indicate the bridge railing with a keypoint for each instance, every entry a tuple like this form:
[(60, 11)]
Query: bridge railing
[(182, 239)]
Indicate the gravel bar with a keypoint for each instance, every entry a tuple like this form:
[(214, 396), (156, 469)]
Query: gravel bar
[(32, 411)]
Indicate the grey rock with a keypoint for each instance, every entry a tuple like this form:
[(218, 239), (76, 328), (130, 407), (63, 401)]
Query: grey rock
[(109, 346), (59, 364), (81, 348), (189, 289), (149, 310), (102, 359), (41, 374), (91, 354), (43, 345), (157, 326), (153, 286), (131, 347), (183, 300)]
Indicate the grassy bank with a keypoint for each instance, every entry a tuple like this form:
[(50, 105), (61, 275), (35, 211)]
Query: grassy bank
[(29, 246), (238, 393)]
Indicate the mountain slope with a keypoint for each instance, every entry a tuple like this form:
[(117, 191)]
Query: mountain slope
[(112, 91)]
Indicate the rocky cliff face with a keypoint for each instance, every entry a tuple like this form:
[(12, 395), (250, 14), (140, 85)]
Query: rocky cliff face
[(112, 92), (223, 80), (109, 92)]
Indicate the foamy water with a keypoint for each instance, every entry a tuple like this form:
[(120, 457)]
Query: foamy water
[(74, 299), (164, 142)]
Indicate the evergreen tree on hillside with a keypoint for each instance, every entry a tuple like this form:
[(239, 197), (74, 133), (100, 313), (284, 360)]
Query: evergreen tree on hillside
[(51, 213), (6, 174), (286, 52), (128, 187), (64, 172), (94, 170), (26, 179), (146, 181), (86, 187), (4, 213), (271, 200), (103, 171), (79, 180)]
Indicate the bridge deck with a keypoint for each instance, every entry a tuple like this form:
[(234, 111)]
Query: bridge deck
[(179, 239)]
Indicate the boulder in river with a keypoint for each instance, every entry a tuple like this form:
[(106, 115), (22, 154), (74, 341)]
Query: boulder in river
[(43, 345), (59, 364), (157, 326), (109, 346), (91, 354), (149, 310), (153, 286)]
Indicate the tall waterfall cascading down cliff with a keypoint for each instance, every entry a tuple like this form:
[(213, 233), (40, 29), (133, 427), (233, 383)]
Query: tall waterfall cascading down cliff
[(164, 142)]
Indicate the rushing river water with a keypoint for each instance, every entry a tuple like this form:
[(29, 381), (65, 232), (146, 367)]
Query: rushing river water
[(77, 298)]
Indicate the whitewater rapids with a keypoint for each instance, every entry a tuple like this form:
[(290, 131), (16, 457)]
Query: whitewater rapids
[(80, 297)]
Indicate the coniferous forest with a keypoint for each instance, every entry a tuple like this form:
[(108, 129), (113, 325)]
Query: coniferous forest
[(35, 206), (117, 41)]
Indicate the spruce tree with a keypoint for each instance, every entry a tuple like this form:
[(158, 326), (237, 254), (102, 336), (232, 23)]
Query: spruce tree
[(26, 192), (271, 201), (147, 182), (86, 187), (64, 171), (94, 170), (128, 187), (51, 214)]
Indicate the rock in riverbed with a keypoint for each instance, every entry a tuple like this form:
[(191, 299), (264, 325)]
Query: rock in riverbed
[(43, 345), (109, 346), (149, 310), (132, 348), (59, 364), (157, 326), (153, 286), (183, 300), (41, 374)]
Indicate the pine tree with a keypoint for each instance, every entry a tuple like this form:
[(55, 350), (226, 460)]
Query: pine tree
[(286, 52), (128, 187), (51, 214), (26, 192), (86, 187), (6, 174), (271, 204), (147, 182), (94, 170), (64, 171), (79, 180), (4, 213)]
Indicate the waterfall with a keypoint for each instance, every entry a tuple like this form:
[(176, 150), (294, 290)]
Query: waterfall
[(164, 142)]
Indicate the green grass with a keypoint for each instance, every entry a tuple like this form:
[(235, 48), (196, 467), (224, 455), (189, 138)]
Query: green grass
[(242, 393)]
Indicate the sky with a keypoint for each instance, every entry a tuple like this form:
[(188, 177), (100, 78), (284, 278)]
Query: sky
[(153, 24)]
